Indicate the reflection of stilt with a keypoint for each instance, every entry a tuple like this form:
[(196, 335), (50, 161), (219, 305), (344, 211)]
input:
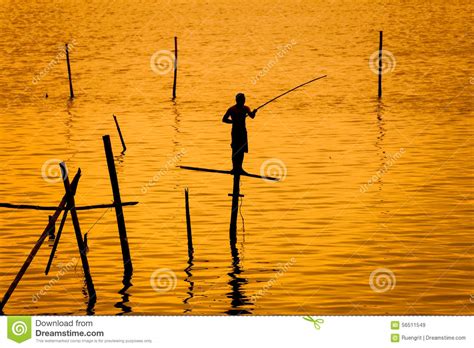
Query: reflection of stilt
[(125, 295), (188, 269), (190, 292), (176, 126), (379, 141), (239, 300)]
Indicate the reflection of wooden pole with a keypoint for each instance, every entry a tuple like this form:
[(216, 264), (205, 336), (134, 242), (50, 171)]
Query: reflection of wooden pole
[(120, 134), (127, 261), (235, 208), (175, 65), (77, 230), (188, 224), (71, 92), (380, 64), (37, 246)]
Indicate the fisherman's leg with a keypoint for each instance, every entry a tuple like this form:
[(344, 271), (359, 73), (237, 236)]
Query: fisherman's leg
[(237, 160), (242, 161)]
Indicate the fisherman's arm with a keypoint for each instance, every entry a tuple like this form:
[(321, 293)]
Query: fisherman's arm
[(226, 118), (253, 113)]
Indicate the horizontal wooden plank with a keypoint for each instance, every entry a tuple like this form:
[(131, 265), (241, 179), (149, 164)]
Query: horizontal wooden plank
[(229, 172)]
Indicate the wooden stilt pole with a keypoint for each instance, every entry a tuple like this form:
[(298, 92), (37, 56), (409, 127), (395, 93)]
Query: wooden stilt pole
[(77, 230), (127, 261), (71, 91), (120, 134), (380, 64), (188, 225), (37, 246), (235, 208), (175, 65)]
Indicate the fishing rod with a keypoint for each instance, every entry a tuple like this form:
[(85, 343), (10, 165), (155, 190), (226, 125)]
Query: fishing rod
[(291, 90)]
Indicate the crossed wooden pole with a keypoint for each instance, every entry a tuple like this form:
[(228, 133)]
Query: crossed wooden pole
[(66, 205)]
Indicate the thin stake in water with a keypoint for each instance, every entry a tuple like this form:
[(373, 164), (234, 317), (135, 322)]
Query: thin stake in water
[(71, 91), (120, 134), (175, 65), (188, 224), (380, 63)]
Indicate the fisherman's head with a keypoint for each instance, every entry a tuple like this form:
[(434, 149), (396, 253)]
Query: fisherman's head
[(240, 99)]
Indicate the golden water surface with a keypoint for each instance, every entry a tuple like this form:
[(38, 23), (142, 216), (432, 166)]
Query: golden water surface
[(373, 214)]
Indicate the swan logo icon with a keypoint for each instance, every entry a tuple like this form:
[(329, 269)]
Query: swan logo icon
[(19, 329)]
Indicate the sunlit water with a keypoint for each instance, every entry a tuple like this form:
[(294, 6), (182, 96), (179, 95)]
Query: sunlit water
[(366, 186)]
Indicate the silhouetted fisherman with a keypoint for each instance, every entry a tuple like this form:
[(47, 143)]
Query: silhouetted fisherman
[(236, 115)]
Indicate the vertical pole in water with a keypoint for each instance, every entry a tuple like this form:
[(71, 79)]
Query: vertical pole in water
[(127, 261), (380, 64), (175, 65), (120, 134), (77, 229), (71, 92), (188, 224), (235, 208)]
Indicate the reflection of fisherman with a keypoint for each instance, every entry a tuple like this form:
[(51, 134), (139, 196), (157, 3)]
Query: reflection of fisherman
[(236, 115)]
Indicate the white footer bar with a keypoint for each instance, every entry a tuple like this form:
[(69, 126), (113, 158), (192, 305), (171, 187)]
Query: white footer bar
[(229, 332)]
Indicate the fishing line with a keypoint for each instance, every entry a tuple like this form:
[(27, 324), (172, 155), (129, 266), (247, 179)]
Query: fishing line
[(105, 212), (85, 234)]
